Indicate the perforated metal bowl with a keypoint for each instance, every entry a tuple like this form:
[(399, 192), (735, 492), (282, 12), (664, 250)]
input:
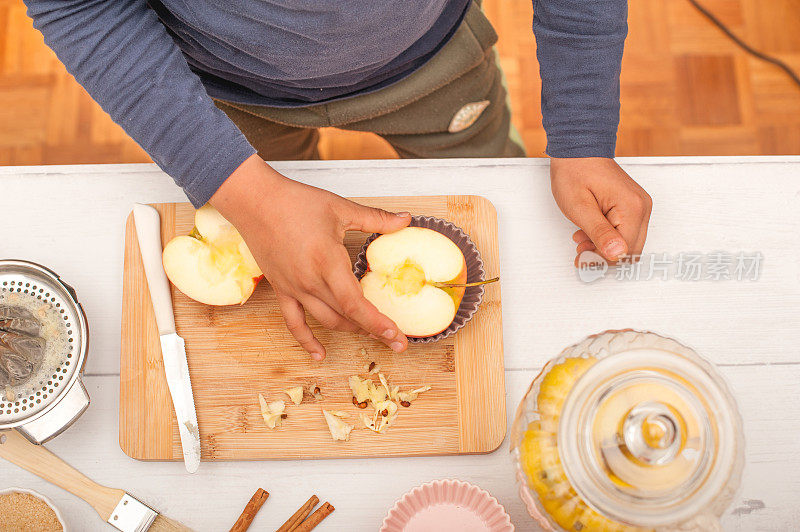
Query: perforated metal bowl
[(54, 397)]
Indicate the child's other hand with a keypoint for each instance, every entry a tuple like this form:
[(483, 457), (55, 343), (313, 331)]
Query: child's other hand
[(610, 208)]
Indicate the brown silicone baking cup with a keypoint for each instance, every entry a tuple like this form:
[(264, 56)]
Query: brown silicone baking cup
[(475, 272)]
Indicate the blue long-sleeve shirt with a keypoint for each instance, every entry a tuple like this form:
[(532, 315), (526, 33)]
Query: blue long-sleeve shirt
[(152, 68)]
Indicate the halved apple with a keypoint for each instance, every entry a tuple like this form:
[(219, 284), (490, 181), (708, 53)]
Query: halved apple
[(402, 269), (212, 264)]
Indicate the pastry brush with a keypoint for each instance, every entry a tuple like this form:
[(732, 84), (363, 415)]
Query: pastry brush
[(116, 507)]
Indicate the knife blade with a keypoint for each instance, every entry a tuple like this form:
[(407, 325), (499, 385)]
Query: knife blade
[(173, 348)]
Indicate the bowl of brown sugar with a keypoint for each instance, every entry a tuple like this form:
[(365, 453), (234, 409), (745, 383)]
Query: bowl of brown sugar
[(23, 510)]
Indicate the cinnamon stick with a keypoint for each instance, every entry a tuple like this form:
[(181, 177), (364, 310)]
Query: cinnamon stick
[(250, 511), (316, 518), (299, 515)]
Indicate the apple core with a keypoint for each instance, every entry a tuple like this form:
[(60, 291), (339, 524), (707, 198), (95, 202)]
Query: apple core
[(407, 279)]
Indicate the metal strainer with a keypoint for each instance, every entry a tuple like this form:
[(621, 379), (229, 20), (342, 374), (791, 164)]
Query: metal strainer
[(54, 397)]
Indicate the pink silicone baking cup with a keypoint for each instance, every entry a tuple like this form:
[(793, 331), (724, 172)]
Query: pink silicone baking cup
[(447, 505), (473, 295)]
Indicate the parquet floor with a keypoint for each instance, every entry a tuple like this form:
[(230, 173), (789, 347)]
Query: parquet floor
[(686, 89)]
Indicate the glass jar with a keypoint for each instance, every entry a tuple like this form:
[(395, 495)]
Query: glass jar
[(628, 431)]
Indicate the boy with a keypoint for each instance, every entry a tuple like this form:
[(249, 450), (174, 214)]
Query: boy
[(212, 90)]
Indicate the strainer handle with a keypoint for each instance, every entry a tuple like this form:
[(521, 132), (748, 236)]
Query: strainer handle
[(44, 464), (63, 414)]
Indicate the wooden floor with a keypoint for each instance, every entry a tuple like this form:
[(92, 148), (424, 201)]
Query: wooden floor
[(686, 89)]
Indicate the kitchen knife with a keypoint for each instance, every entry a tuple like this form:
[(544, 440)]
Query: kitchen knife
[(173, 350)]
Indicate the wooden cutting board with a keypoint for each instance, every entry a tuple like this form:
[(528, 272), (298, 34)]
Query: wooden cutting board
[(237, 352)]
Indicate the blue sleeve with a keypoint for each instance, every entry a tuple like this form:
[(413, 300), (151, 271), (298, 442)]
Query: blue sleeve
[(579, 45), (120, 52)]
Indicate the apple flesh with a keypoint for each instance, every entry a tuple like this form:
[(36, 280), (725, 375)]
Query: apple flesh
[(212, 265), (402, 268)]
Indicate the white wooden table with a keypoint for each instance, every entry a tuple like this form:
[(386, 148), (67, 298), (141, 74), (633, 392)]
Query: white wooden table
[(71, 218)]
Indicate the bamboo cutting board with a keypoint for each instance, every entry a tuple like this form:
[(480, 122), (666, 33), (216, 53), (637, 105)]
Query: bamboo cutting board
[(237, 352)]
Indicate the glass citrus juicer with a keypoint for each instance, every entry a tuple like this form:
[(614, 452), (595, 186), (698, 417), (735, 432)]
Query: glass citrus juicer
[(628, 431)]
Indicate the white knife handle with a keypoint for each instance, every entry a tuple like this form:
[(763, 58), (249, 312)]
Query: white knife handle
[(148, 231)]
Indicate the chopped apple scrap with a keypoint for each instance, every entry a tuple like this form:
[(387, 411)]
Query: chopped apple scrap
[(383, 398), (385, 384), (340, 431), (295, 394), (412, 395), (315, 392), (360, 388), (273, 412), (372, 368)]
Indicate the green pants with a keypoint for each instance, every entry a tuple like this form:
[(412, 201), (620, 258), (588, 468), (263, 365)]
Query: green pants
[(455, 105)]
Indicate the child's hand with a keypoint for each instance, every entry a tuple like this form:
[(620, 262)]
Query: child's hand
[(611, 210), (295, 233)]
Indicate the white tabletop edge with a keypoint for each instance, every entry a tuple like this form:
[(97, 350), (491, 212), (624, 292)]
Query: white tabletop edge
[(735, 324), (401, 163)]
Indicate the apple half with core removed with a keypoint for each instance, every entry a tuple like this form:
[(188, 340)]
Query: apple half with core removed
[(212, 264), (403, 269)]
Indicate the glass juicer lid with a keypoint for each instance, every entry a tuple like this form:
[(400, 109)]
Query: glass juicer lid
[(648, 434)]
